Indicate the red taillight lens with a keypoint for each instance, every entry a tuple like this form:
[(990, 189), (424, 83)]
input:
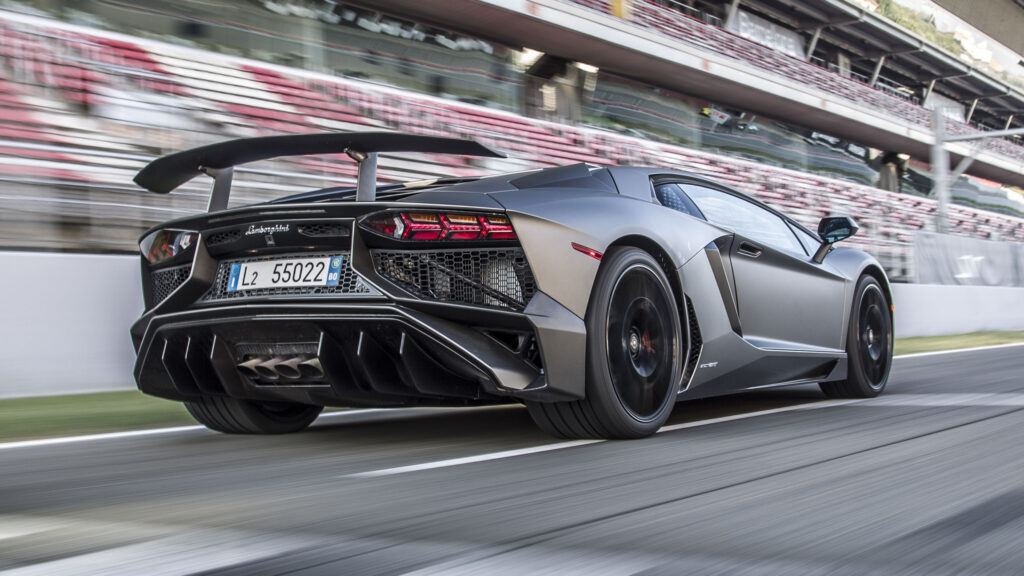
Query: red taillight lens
[(463, 226), (497, 227), (440, 226), (387, 225), (422, 226)]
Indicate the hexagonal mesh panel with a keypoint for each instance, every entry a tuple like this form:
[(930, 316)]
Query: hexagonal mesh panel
[(167, 280), (348, 284), (223, 237), (321, 229), (498, 277)]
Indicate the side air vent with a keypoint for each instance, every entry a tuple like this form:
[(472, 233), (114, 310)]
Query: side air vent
[(696, 344)]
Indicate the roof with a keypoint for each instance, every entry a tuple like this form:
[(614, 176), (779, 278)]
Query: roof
[(910, 59)]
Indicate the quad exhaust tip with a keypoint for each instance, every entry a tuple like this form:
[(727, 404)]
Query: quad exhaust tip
[(289, 369), (249, 367), (302, 367), (268, 370), (311, 368)]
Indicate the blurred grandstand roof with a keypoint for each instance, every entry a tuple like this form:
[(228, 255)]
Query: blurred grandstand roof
[(578, 31), (910, 59)]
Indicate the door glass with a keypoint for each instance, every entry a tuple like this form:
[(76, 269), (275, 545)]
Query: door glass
[(810, 242), (744, 218)]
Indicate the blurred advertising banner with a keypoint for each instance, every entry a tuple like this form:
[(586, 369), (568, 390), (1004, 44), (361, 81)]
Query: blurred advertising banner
[(622, 9), (946, 259), (768, 33)]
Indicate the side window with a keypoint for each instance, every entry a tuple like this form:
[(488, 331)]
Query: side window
[(672, 196), (745, 218), (810, 242)]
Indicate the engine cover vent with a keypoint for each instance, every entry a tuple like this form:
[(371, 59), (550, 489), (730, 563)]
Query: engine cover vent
[(491, 277)]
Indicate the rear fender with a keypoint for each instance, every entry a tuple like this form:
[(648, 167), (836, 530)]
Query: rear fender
[(549, 222)]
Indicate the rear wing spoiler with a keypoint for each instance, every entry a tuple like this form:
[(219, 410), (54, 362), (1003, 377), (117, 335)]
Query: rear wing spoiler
[(218, 160)]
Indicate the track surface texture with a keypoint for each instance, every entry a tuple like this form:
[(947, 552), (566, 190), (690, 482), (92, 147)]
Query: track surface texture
[(927, 479)]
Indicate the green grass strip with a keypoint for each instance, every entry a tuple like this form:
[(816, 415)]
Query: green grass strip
[(50, 416), (936, 343)]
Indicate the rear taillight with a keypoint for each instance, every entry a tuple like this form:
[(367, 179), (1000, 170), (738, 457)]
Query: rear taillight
[(440, 226), (166, 244)]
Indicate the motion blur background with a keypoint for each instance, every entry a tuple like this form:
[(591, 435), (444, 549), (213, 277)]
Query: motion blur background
[(817, 107)]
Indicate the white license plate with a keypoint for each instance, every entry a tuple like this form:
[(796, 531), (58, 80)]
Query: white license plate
[(324, 271)]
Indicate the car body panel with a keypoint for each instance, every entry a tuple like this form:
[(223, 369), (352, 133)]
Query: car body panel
[(402, 338)]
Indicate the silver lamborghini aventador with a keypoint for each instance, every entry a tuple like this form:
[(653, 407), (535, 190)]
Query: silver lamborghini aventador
[(597, 297)]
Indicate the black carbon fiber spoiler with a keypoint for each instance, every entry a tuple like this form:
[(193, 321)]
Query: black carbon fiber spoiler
[(217, 160)]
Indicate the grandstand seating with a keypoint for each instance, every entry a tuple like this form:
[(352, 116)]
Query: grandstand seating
[(678, 26), (67, 142)]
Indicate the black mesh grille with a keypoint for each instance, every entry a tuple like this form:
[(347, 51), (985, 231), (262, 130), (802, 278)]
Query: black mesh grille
[(498, 277), (696, 343), (223, 237), (349, 283), (323, 229), (167, 280)]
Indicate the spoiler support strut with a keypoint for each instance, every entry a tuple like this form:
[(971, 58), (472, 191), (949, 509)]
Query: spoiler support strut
[(218, 160), (221, 186), (366, 177)]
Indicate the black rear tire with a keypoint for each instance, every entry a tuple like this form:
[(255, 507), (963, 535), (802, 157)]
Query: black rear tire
[(235, 416), (868, 344), (634, 354)]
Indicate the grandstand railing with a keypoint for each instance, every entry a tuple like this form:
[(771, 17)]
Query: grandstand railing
[(55, 154), (891, 98)]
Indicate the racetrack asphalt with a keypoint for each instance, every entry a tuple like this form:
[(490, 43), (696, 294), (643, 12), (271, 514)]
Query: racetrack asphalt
[(926, 479)]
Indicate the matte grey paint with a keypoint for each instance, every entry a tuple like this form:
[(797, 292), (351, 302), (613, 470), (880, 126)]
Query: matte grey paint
[(724, 279), (786, 321), (548, 221), (782, 296), (562, 337)]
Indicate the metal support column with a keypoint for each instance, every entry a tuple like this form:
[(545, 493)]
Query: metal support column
[(940, 169), (970, 112), (814, 42), (940, 158), (928, 91), (734, 7), (1008, 122), (878, 70)]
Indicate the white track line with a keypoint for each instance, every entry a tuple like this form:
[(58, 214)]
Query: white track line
[(176, 429), (572, 444), (910, 400), (471, 459), (794, 408), (148, 432), (975, 349), (189, 552)]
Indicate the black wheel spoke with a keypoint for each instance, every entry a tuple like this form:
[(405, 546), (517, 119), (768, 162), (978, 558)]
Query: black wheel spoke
[(874, 332), (640, 342), (648, 403)]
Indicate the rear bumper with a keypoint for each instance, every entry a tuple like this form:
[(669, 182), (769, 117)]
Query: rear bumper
[(389, 344), (372, 353)]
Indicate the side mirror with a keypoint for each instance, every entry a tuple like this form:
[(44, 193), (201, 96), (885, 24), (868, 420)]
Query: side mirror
[(833, 230)]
